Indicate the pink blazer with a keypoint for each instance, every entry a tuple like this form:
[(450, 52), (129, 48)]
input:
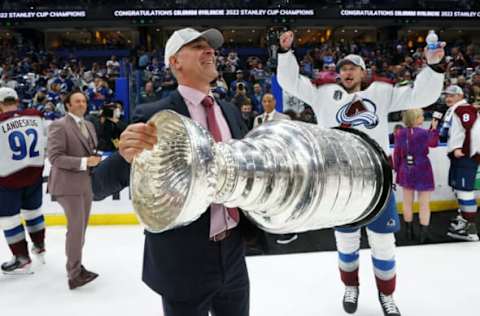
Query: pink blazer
[(66, 147)]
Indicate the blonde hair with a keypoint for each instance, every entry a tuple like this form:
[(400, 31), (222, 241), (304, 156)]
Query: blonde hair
[(409, 117)]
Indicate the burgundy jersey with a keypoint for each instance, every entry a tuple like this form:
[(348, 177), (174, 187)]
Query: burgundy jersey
[(467, 115)]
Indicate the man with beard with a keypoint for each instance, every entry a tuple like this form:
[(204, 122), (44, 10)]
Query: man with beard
[(347, 105)]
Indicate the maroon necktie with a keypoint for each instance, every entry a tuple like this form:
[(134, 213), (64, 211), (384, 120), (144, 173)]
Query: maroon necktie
[(214, 129), (208, 103)]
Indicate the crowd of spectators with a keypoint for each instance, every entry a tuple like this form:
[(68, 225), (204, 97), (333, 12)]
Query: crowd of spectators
[(43, 79), (393, 62), (397, 64)]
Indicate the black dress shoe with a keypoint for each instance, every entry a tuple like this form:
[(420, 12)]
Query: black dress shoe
[(79, 281), (88, 274)]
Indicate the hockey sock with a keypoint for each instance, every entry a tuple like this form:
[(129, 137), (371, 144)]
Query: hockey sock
[(35, 225), (468, 205)]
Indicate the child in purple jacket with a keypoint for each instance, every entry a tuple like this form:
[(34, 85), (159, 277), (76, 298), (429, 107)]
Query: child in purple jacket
[(413, 168)]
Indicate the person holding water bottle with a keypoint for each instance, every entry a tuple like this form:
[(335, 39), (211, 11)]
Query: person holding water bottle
[(348, 106)]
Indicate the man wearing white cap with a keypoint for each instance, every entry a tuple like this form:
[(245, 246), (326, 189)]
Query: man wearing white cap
[(22, 153), (453, 96), (462, 126), (347, 105), (199, 267)]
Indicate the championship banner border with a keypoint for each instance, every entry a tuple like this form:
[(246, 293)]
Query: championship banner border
[(358, 13), (132, 13), (220, 12), (112, 14), (42, 15)]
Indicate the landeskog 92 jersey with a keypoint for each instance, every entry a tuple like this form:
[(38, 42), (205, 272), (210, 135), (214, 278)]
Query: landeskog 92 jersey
[(22, 148)]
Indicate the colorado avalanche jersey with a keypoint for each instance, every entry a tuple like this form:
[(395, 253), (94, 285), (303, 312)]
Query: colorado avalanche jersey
[(448, 118), (22, 148), (464, 132), (365, 110)]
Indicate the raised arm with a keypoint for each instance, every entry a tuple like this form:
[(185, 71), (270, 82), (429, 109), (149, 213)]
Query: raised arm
[(288, 73), (426, 90), (427, 86)]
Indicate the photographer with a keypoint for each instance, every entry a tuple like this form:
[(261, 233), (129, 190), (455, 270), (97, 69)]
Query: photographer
[(240, 94), (111, 128), (239, 79)]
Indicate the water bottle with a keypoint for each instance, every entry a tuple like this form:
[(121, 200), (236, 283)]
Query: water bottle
[(432, 40)]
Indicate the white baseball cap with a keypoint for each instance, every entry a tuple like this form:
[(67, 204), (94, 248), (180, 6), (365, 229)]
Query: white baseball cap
[(187, 35), (7, 93), (357, 60), (453, 89)]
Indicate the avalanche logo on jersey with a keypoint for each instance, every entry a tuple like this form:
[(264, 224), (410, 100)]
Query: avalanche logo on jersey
[(358, 112)]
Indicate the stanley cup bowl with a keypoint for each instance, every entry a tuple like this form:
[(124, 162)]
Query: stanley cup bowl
[(290, 176), (285, 176), (174, 183)]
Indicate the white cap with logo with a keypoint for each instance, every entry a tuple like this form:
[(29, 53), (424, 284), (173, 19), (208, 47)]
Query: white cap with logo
[(7, 93), (453, 89), (187, 35), (357, 60)]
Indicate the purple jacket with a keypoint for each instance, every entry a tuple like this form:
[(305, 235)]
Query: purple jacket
[(414, 142)]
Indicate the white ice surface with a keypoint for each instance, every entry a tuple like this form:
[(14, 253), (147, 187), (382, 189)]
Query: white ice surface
[(435, 280)]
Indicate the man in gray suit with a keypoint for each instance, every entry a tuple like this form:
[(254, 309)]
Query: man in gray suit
[(71, 150), (269, 114)]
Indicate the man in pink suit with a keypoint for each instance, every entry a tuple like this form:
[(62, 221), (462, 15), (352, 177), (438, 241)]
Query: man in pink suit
[(71, 151)]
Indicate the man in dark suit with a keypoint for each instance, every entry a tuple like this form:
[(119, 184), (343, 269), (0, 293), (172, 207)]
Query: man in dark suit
[(199, 267), (269, 112), (71, 145)]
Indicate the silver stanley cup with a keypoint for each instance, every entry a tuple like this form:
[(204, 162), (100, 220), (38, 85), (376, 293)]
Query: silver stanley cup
[(285, 176)]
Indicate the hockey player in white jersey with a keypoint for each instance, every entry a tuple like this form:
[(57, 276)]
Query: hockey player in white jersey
[(22, 151), (462, 126), (347, 105)]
